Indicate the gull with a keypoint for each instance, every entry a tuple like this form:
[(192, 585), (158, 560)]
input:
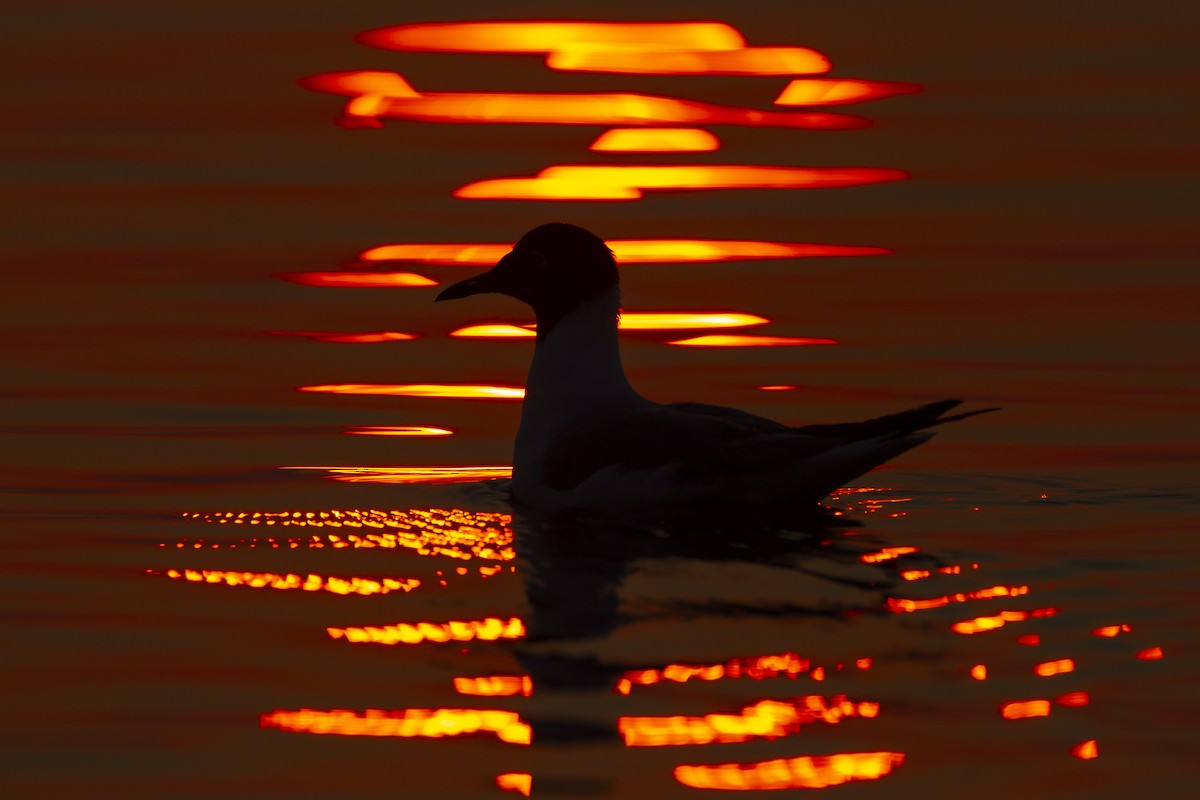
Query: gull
[(587, 440)]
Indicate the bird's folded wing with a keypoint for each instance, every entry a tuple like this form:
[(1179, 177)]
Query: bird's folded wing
[(704, 441)]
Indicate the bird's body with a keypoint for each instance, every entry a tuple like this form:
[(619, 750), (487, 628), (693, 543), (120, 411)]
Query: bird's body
[(588, 440)]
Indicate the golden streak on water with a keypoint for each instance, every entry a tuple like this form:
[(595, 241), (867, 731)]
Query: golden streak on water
[(399, 430), (804, 772), (996, 621), (360, 280), (626, 251), (488, 629), (495, 685), (474, 391), (412, 475), (754, 667), (453, 533), (900, 605), (655, 140), (495, 331), (308, 582), (1049, 668), (838, 91), (520, 782), (536, 36), (750, 341), (1024, 709), (887, 554), (433, 723), (349, 338), (764, 719), (631, 181), (745, 61)]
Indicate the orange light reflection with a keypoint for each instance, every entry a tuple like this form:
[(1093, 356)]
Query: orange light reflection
[(454, 533), (365, 108), (1150, 654), (433, 723), (1109, 631), (399, 430), (630, 181), (837, 91), (473, 391), (804, 772), (627, 251), (1024, 709), (901, 605), (406, 475), (349, 338), (750, 341), (1048, 668), (655, 140), (496, 331), (766, 718), (979, 672), (995, 621), (520, 782), (495, 686), (287, 582), (359, 280), (1073, 699), (887, 553), (1085, 750), (488, 629), (754, 667), (547, 36), (746, 61)]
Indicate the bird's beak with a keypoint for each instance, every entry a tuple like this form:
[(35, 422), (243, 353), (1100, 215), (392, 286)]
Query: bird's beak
[(499, 279), (480, 284)]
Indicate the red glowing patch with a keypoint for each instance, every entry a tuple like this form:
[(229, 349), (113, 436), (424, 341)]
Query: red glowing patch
[(805, 772), (655, 140), (407, 475), (433, 723), (349, 338), (631, 181), (359, 280), (627, 251), (750, 341), (837, 91)]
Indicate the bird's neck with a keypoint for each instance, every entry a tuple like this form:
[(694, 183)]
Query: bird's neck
[(577, 363)]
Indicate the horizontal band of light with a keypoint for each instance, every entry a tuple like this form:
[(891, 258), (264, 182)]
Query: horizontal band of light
[(349, 338), (375, 95), (837, 91), (904, 604), (431, 475), (630, 182), (489, 629), (536, 36), (627, 251), (473, 391), (804, 772), (355, 280), (768, 719), (399, 430), (495, 685), (433, 723), (308, 582), (997, 621), (725, 340), (746, 61), (634, 321), (655, 140)]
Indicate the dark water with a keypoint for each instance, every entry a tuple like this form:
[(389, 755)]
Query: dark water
[(167, 167)]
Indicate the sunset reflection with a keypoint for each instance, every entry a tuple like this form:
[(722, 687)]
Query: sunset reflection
[(754, 667), (520, 36), (630, 181), (488, 629), (398, 430), (472, 391), (359, 280), (899, 604), (804, 772), (655, 140), (308, 582), (349, 338), (765, 719), (626, 251), (836, 91), (432, 723), (520, 782), (454, 533), (429, 475), (726, 340), (495, 686), (997, 621)]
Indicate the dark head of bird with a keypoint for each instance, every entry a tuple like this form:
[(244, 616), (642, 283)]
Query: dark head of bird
[(554, 269)]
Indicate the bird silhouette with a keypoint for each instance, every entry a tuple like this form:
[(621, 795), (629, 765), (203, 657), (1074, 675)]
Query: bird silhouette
[(587, 440)]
